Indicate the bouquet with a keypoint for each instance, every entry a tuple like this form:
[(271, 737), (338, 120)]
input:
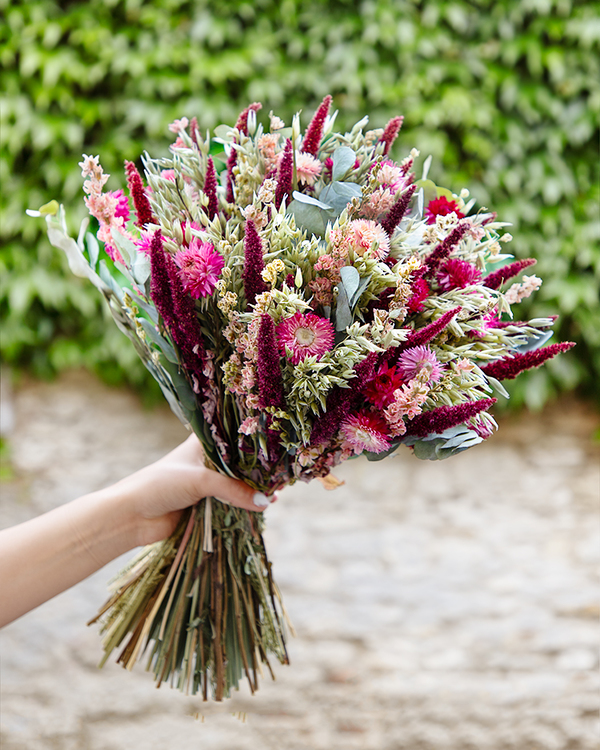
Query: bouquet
[(301, 299)]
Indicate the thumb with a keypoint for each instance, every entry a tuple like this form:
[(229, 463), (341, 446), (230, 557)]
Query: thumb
[(232, 491)]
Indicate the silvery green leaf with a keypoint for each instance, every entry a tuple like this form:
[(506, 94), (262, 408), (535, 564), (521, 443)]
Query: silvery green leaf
[(108, 279), (184, 392), (364, 283), (125, 246), (308, 217), (147, 307), (350, 279), (339, 194), (310, 200), (344, 159), (141, 268), (497, 386), (223, 133), (380, 456), (416, 212), (93, 249), (76, 259), (159, 340), (124, 270), (80, 236), (343, 315), (535, 342), (426, 166)]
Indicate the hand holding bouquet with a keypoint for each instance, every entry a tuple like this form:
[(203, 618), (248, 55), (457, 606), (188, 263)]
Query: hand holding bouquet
[(308, 302)]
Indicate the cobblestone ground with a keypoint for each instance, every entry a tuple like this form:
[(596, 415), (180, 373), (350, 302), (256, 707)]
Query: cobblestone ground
[(438, 606)]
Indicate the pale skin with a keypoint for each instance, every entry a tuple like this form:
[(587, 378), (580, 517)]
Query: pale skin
[(50, 553)]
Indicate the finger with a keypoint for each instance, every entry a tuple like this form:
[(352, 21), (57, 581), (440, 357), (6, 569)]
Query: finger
[(233, 491)]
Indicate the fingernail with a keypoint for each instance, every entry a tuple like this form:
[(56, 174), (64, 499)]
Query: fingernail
[(261, 499)]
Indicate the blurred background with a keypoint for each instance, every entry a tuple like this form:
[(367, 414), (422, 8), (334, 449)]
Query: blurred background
[(505, 94), (438, 606)]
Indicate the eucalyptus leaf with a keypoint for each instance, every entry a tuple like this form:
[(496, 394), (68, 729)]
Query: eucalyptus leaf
[(351, 280), (141, 268), (339, 194), (344, 159), (364, 283), (343, 315), (302, 198), (535, 342), (309, 217)]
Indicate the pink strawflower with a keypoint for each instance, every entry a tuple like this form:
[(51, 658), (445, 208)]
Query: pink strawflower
[(391, 176), (441, 207), (305, 335), (457, 274), (380, 389), (417, 359), (365, 432), (307, 168), (200, 266), (364, 233)]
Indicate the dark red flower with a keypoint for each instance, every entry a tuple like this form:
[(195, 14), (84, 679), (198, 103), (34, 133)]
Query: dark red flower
[(443, 417), (314, 132), (270, 383), (138, 194), (380, 388), (390, 132), (497, 278), (457, 274), (441, 207), (253, 264), (508, 368), (420, 292)]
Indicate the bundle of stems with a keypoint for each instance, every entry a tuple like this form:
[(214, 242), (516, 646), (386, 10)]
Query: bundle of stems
[(203, 604)]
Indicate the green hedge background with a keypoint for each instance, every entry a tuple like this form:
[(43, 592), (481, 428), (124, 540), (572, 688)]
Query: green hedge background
[(505, 94)]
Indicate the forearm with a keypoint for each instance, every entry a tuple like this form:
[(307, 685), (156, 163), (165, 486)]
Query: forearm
[(44, 556)]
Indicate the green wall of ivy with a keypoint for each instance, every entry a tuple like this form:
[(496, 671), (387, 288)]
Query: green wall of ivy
[(504, 93)]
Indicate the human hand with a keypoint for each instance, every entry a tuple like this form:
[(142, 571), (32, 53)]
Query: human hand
[(157, 494)]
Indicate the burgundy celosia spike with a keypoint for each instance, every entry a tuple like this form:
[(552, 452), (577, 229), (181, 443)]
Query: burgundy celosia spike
[(194, 130), (253, 264), (186, 326), (314, 132), (210, 189), (160, 285), (422, 336), (509, 367), (138, 194), (390, 132), (242, 120), (497, 278), (443, 250), (285, 174), (396, 213), (443, 417), (270, 383), (231, 162)]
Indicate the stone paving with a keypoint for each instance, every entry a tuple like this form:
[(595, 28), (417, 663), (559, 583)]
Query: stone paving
[(438, 606)]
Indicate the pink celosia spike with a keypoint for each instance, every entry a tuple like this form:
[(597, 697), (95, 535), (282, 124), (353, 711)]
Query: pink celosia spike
[(390, 132), (508, 368), (443, 417), (396, 213), (497, 278), (285, 174), (270, 383), (138, 194), (423, 335), (314, 132), (253, 264), (443, 250), (210, 189)]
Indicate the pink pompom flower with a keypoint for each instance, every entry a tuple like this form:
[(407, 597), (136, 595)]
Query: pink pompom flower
[(305, 335), (417, 359), (200, 266), (365, 432), (364, 233), (122, 207)]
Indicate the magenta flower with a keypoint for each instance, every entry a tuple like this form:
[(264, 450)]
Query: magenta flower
[(443, 417), (365, 432), (413, 361), (253, 264), (508, 368), (270, 384), (457, 274), (200, 266), (441, 207), (396, 213), (443, 250), (305, 335), (380, 388), (122, 207), (420, 292)]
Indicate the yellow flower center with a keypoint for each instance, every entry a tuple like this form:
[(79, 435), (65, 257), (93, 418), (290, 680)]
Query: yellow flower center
[(304, 336)]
